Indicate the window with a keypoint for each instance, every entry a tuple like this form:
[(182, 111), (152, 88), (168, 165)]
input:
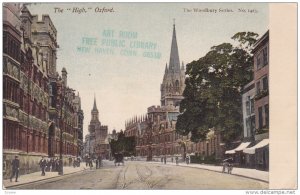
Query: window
[(265, 55), (265, 83), (252, 106), (248, 107), (267, 115), (258, 87), (177, 85), (258, 64), (260, 118)]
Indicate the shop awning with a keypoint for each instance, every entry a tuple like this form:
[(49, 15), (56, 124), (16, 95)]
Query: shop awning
[(241, 147), (261, 144)]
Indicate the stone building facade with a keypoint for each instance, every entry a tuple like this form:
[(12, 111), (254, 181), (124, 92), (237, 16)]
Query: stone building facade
[(261, 79), (30, 112), (261, 103), (248, 94)]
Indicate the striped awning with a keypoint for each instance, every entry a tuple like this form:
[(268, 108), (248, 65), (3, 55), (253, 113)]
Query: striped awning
[(261, 144), (241, 147)]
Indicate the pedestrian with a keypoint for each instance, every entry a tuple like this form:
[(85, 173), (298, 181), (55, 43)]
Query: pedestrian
[(161, 159), (172, 159), (165, 160), (176, 159), (97, 163), (43, 164), (78, 161), (86, 161), (57, 165), (50, 165), (53, 165), (90, 163), (15, 168), (230, 165), (187, 160), (70, 161), (225, 165)]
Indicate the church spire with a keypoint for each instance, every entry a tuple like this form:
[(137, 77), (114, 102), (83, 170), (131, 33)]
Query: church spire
[(95, 105), (174, 63)]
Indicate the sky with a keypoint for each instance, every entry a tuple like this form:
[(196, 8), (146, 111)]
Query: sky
[(118, 54)]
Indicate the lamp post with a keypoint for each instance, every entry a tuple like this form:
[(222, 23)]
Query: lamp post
[(61, 166)]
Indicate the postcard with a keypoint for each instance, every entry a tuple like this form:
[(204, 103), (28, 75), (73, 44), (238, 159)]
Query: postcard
[(149, 96)]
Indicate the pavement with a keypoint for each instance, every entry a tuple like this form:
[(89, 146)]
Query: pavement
[(243, 172), (36, 176)]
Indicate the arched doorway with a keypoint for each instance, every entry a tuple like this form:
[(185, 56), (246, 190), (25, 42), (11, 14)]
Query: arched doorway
[(51, 140)]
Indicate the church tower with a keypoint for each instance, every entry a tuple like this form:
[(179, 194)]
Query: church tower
[(95, 112), (98, 134), (94, 123), (173, 81)]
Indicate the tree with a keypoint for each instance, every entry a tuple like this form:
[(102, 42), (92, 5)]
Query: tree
[(212, 96), (125, 145)]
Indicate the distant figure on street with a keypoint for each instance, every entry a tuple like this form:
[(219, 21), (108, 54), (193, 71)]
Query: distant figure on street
[(70, 161), (187, 159), (90, 163), (57, 165), (15, 168), (230, 165), (97, 163), (176, 159), (43, 164), (53, 165), (165, 160), (161, 159), (86, 161), (227, 164), (172, 159)]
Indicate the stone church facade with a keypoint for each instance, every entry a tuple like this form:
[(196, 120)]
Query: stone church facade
[(155, 131)]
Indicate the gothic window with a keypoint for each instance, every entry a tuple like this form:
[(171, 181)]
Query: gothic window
[(177, 86)]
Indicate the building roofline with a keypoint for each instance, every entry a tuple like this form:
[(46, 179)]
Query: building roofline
[(260, 41)]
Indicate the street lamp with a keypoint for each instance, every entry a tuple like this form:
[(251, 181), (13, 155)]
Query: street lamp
[(61, 166)]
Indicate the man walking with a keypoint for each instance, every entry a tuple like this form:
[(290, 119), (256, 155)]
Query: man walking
[(97, 163), (43, 164), (15, 168)]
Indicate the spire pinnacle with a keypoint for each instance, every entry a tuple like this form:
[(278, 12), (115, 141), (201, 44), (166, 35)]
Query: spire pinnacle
[(174, 64), (95, 105), (166, 69), (182, 66)]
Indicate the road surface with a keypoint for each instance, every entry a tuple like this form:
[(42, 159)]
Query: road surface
[(143, 175)]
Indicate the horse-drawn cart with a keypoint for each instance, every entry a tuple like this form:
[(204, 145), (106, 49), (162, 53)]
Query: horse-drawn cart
[(119, 158)]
